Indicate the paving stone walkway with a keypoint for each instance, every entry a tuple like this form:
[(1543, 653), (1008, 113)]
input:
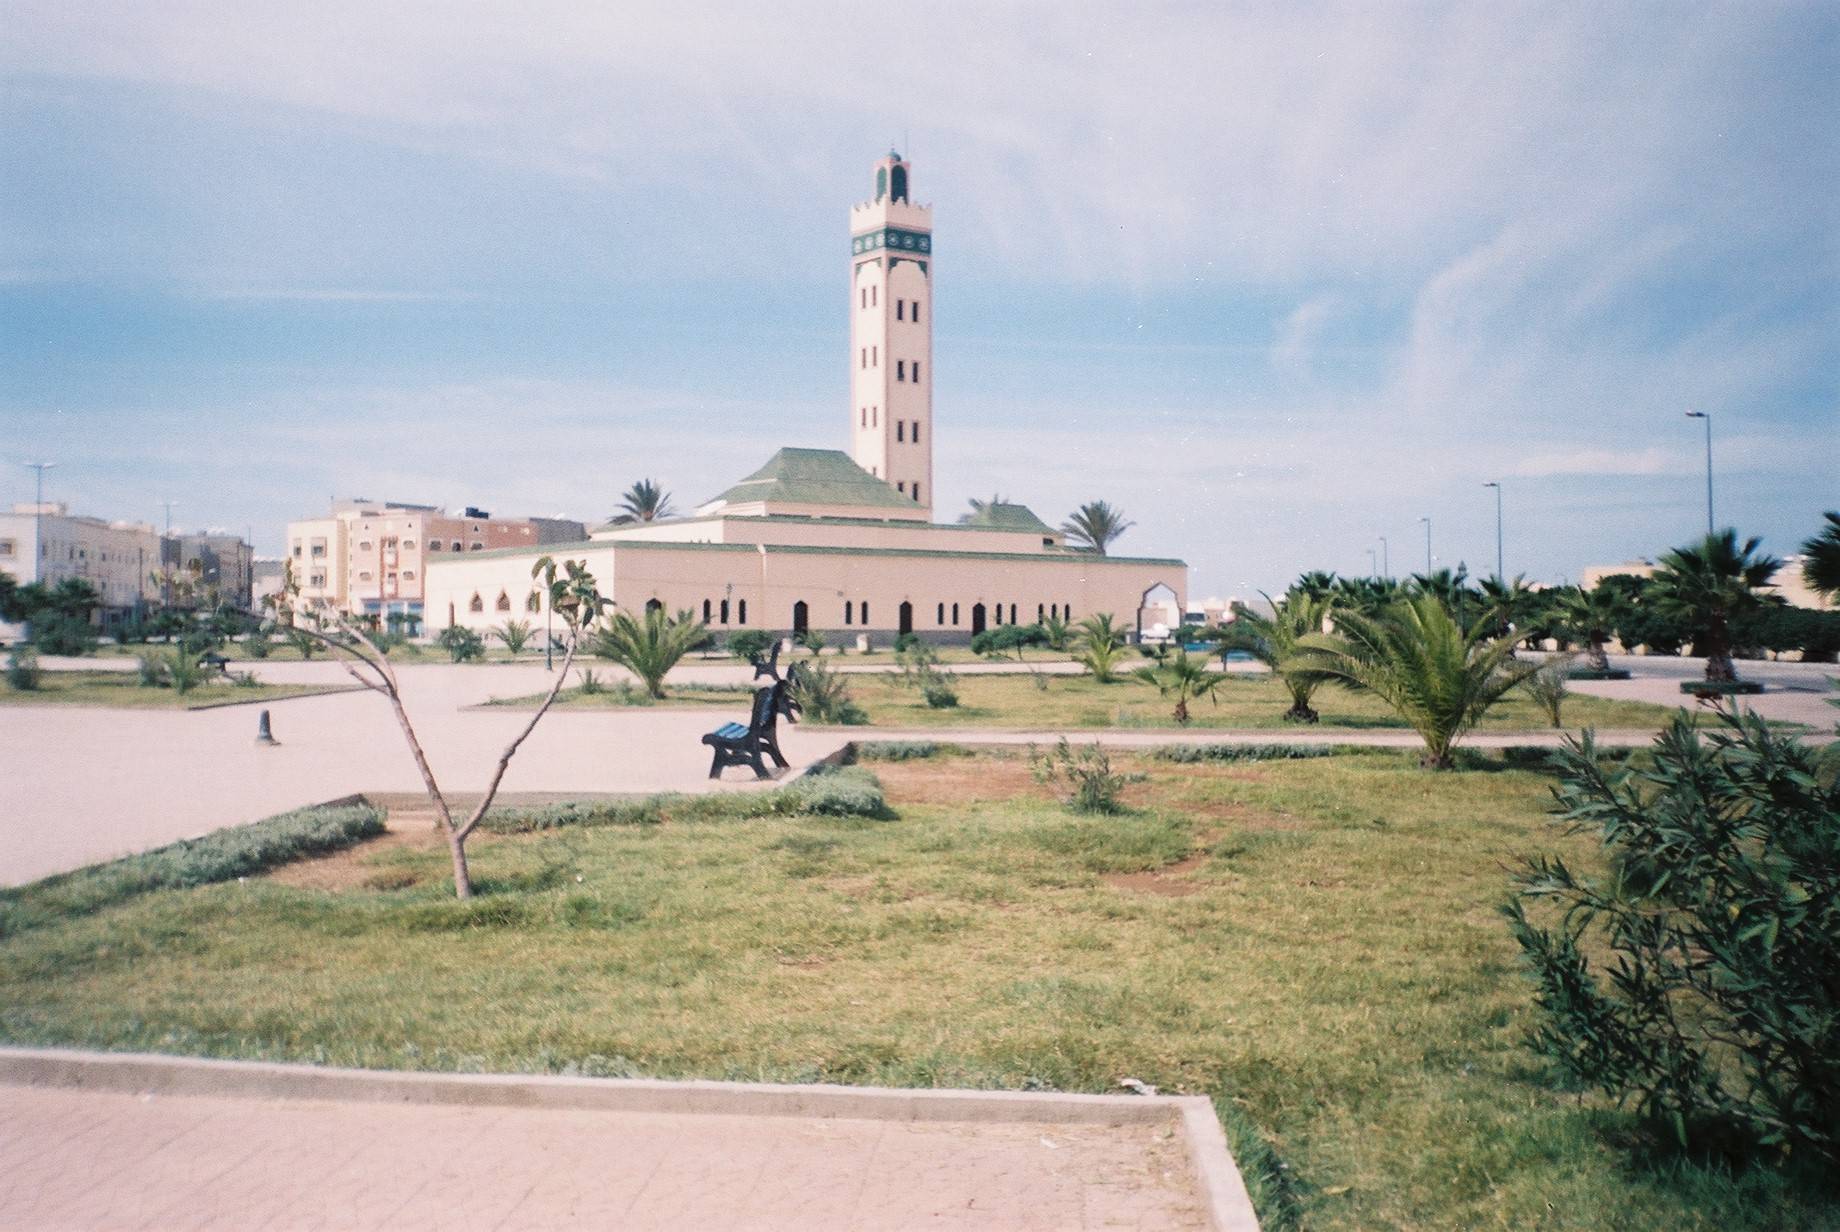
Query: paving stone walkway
[(95, 1160)]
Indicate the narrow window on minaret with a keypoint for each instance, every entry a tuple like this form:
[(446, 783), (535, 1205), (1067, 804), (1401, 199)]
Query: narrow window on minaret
[(916, 494), (916, 431), (875, 296), (900, 429), (901, 486), (865, 357), (916, 372), (916, 317), (900, 370), (900, 306), (875, 357)]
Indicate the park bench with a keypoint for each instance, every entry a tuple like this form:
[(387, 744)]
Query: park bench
[(768, 667), (736, 745), (213, 662)]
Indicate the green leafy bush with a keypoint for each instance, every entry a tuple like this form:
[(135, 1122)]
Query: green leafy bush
[(1188, 754), (461, 643), (907, 641), (222, 855), (824, 695), (182, 671), (590, 683), (939, 694), (750, 643), (56, 633), (1086, 777), (22, 670), (1008, 639), (842, 791), (1699, 978), (897, 750), (1546, 685), (152, 669)]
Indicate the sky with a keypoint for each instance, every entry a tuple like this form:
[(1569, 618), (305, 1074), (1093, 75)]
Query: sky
[(1279, 280)]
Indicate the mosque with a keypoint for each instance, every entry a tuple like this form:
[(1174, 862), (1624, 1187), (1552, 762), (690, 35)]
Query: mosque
[(834, 542)]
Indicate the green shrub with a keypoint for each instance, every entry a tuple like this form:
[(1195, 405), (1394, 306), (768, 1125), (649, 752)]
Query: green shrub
[(907, 641), (590, 683), (843, 791), (461, 643), (750, 644), (257, 645), (1715, 1010), (152, 665), (648, 811), (1546, 686), (1007, 639), (897, 750), (245, 680), (56, 633), (1085, 777), (939, 694), (182, 671), (22, 670), (1185, 754), (824, 695), (222, 855)]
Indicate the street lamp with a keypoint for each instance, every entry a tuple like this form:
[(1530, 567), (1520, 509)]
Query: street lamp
[(38, 518), (1500, 573), (1386, 568), (1370, 562), (166, 567), (1427, 522), (1707, 416)]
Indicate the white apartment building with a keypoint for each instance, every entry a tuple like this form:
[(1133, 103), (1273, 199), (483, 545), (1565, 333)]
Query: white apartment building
[(45, 543)]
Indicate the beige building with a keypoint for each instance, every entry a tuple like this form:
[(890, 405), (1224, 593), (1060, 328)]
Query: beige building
[(45, 543), (823, 540), (1788, 583), (371, 557)]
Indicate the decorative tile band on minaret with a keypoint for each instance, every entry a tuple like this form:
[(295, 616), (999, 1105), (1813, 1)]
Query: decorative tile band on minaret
[(891, 334)]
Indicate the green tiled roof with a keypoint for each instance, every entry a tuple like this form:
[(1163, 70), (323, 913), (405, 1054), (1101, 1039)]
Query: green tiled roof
[(815, 477), (999, 516)]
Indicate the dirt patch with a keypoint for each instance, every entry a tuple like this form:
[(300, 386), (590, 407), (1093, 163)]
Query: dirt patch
[(355, 868), (1172, 881), (957, 780)]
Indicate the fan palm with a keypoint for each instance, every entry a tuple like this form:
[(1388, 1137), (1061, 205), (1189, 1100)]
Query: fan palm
[(1272, 639), (1094, 525), (1182, 678), (1706, 586), (1317, 583), (650, 646), (1591, 616), (1821, 565), (645, 501), (1436, 675), (1507, 605), (1097, 646), (1451, 586), (979, 506)]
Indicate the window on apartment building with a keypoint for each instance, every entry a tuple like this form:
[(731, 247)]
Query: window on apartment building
[(434, 545), (901, 486), (1041, 611), (8, 548), (900, 429), (408, 575), (477, 546), (297, 551), (709, 609), (364, 545), (316, 579), (875, 296), (875, 417), (875, 357), (900, 370), (863, 360), (365, 576), (408, 545), (1012, 613), (864, 294), (864, 419), (456, 545)]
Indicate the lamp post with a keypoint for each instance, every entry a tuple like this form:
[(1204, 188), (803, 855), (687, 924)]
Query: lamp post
[(1386, 568), (38, 518), (1370, 562), (1707, 416), (1427, 522), (1500, 573), (166, 567)]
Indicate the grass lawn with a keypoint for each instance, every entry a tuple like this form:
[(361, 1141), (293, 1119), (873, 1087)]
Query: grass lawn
[(124, 690), (1313, 943), (1014, 701)]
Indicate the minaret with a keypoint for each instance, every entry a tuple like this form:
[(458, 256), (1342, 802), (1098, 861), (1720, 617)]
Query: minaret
[(891, 334)]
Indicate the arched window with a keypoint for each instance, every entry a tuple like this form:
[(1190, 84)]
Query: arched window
[(654, 605), (848, 609), (725, 611), (532, 602), (1012, 613), (865, 611), (942, 614), (504, 601), (476, 604), (897, 183), (741, 611), (707, 608), (1041, 612), (955, 614)]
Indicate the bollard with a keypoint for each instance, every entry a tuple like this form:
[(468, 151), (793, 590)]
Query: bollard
[(263, 734)]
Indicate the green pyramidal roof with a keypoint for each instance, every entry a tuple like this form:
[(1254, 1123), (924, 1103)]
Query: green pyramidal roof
[(1000, 516), (815, 477)]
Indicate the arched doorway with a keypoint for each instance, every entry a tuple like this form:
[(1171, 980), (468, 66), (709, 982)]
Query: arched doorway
[(1159, 612), (801, 618), (907, 617), (654, 605), (977, 619)]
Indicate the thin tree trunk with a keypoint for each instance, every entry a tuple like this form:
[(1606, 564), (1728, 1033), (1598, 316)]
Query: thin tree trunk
[(1719, 667), (1595, 656)]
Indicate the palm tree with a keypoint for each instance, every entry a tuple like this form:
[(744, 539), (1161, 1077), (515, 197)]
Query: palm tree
[(1821, 569), (645, 501), (1451, 586), (1318, 584), (1183, 678), (515, 634), (1364, 594), (1436, 675), (1591, 616), (979, 506), (1094, 525), (1273, 639), (651, 646), (1098, 645), (1507, 605), (1706, 586)]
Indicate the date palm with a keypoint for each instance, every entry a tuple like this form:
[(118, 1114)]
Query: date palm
[(515, 634), (1097, 646), (1094, 525), (979, 506), (1591, 616), (650, 646), (1707, 585), (645, 501), (1273, 639), (1439, 677), (1821, 567), (1182, 678)]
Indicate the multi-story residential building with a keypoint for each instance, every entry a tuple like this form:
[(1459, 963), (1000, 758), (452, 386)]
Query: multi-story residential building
[(224, 561), (370, 557), (45, 543)]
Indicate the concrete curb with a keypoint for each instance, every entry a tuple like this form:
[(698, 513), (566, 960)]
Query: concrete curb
[(1218, 1178)]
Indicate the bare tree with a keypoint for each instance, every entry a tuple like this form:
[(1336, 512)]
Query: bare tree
[(573, 596)]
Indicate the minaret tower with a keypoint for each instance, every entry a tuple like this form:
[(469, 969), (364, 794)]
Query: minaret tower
[(891, 334)]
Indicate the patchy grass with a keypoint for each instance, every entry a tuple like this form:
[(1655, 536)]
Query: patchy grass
[(618, 692), (1314, 943), (123, 690)]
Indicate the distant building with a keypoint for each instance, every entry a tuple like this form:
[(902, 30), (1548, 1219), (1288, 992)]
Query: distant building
[(1788, 584), (371, 557), (46, 543), (843, 543), (224, 561)]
